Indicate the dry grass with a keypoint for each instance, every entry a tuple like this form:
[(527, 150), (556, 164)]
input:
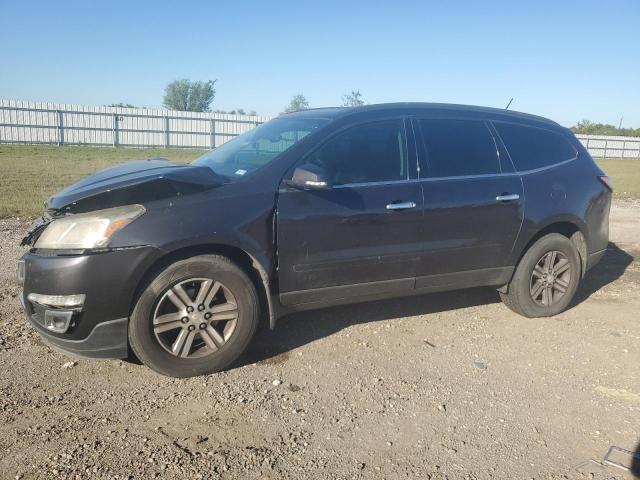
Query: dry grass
[(625, 175), (30, 174)]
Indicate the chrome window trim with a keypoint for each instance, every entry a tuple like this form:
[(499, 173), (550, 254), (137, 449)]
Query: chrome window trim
[(430, 179), (435, 179), (540, 169), (375, 184), (470, 177), (505, 174), (364, 184)]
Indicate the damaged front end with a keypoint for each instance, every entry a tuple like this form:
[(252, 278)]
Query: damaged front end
[(78, 281), (138, 182), (35, 229)]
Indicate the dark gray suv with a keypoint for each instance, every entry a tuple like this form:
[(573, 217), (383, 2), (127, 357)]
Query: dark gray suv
[(179, 263)]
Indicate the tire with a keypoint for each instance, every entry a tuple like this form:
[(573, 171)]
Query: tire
[(525, 285), (179, 339)]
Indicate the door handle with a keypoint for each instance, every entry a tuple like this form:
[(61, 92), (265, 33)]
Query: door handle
[(508, 197), (401, 205)]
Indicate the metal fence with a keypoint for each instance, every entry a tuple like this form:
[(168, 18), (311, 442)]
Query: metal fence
[(604, 146), (62, 124)]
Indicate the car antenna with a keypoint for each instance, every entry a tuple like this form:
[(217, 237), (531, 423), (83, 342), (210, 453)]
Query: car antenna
[(508, 104)]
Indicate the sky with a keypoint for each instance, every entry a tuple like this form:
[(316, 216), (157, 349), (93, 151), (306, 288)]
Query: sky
[(564, 60)]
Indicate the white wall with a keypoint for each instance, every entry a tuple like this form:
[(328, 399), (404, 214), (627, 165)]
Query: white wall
[(57, 123), (37, 122)]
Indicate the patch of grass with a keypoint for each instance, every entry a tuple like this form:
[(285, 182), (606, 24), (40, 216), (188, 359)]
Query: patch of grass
[(30, 174), (625, 176)]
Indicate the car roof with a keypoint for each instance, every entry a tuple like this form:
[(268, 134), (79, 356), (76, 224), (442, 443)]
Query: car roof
[(416, 107)]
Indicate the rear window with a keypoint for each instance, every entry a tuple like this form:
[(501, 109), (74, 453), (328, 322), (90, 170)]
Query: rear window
[(532, 147), (458, 148)]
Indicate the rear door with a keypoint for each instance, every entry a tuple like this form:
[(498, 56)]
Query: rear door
[(473, 204), (359, 237)]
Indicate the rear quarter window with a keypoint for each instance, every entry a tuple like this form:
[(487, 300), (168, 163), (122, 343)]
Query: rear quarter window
[(532, 147)]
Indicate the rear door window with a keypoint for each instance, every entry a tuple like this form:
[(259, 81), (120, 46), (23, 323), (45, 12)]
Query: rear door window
[(532, 147), (456, 147)]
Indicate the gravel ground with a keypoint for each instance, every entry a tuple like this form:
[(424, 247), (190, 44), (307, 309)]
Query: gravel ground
[(441, 386)]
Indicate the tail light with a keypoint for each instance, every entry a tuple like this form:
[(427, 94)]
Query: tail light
[(606, 181)]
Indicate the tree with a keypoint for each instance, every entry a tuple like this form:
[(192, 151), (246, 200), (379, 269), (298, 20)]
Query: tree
[(583, 126), (297, 103), (239, 111), (588, 127), (122, 105), (189, 96), (353, 99)]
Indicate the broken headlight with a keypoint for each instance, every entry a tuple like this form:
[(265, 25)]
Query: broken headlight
[(87, 230)]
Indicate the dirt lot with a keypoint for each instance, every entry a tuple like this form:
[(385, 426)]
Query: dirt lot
[(441, 386)]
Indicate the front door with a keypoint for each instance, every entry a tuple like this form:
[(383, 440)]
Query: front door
[(359, 237)]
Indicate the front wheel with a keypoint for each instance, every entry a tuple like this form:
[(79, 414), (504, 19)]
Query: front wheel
[(195, 318), (546, 278)]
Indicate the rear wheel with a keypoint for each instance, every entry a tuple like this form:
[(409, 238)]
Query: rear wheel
[(196, 317), (546, 278)]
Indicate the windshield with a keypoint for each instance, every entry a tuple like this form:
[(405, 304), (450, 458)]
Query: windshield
[(254, 149)]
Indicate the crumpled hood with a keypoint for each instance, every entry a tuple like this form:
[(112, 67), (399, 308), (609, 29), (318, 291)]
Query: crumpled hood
[(134, 182)]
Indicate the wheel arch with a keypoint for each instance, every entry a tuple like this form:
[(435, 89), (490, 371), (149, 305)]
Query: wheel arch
[(568, 228), (256, 271)]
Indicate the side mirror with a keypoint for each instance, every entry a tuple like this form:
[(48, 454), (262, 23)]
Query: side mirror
[(309, 177)]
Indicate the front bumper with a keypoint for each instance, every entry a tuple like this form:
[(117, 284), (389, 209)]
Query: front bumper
[(109, 281), (106, 340)]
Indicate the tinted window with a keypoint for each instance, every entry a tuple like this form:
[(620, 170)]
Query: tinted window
[(246, 153), (373, 152), (458, 147), (532, 148)]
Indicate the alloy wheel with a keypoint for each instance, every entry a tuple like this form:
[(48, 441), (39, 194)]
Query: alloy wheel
[(195, 318), (550, 278)]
